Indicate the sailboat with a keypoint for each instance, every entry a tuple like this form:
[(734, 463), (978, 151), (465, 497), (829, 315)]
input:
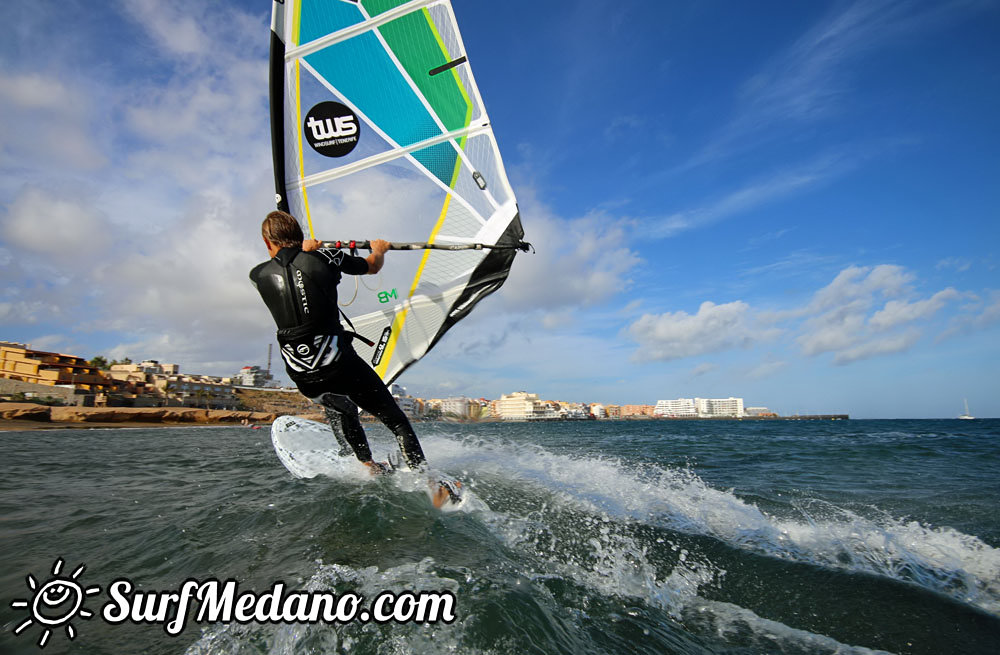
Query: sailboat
[(967, 416)]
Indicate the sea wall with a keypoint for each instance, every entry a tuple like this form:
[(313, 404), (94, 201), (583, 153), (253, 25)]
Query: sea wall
[(67, 396), (41, 413)]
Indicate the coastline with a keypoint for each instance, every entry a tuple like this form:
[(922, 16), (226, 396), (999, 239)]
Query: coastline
[(30, 416)]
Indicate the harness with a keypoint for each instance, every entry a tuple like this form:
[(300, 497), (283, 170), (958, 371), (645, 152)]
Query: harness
[(309, 349)]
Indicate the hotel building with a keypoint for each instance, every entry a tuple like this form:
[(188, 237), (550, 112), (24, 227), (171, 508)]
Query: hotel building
[(701, 408)]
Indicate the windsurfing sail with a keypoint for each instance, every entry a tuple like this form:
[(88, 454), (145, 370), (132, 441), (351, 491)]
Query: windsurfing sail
[(379, 131)]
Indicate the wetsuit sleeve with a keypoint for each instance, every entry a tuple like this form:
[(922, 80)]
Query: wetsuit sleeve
[(255, 274), (355, 265), (343, 262)]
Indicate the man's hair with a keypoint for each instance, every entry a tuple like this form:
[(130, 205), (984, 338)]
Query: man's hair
[(282, 230)]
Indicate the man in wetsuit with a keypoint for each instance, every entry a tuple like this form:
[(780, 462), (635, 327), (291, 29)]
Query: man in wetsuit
[(299, 287)]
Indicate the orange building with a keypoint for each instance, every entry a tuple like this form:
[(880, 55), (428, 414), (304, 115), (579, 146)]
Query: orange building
[(18, 362), (637, 410)]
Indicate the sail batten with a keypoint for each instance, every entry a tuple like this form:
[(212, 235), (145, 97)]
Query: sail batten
[(354, 30), (379, 131)]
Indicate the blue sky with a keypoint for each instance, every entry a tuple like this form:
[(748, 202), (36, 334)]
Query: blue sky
[(796, 203)]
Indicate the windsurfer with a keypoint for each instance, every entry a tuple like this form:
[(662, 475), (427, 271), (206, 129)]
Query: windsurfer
[(299, 286)]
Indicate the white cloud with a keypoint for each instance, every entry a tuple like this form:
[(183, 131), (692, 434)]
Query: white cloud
[(857, 284), (48, 122), (174, 27), (833, 331), (880, 346), (179, 28), (23, 312), (793, 264), (713, 328), (34, 91), (760, 191), (840, 318), (577, 262), (702, 369), (766, 368), (960, 264), (898, 312), (977, 315), (51, 223), (555, 320)]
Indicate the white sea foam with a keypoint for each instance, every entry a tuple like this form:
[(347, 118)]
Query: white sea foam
[(940, 559), (290, 639), (600, 557)]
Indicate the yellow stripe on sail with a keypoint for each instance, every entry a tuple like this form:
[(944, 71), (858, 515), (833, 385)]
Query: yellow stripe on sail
[(302, 164), (400, 319), (454, 71), (296, 21)]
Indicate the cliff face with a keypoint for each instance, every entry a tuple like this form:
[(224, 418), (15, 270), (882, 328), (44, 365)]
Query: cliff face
[(29, 411), (275, 402), (24, 411)]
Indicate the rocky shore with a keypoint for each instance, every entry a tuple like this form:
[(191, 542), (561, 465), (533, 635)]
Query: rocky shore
[(29, 416)]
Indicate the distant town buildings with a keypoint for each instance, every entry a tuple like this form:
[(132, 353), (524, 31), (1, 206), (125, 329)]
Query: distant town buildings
[(524, 406), (700, 408), (460, 407), (74, 380), (20, 363), (28, 372), (412, 407), (682, 407), (521, 406), (253, 376), (637, 410), (151, 383)]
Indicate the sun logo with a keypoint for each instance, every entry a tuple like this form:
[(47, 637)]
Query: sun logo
[(55, 603)]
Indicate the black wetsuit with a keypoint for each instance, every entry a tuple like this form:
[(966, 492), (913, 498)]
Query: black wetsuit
[(300, 290)]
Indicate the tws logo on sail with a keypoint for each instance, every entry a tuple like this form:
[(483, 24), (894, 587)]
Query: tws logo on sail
[(332, 129)]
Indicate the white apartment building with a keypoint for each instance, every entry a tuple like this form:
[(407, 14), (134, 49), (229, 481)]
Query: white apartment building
[(410, 406), (197, 390), (252, 376), (574, 411), (460, 407), (681, 407), (700, 408), (716, 407), (519, 406)]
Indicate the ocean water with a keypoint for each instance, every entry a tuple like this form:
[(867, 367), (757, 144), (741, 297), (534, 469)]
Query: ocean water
[(578, 537)]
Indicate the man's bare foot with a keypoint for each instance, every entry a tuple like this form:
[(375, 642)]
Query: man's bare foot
[(378, 468), (444, 492)]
